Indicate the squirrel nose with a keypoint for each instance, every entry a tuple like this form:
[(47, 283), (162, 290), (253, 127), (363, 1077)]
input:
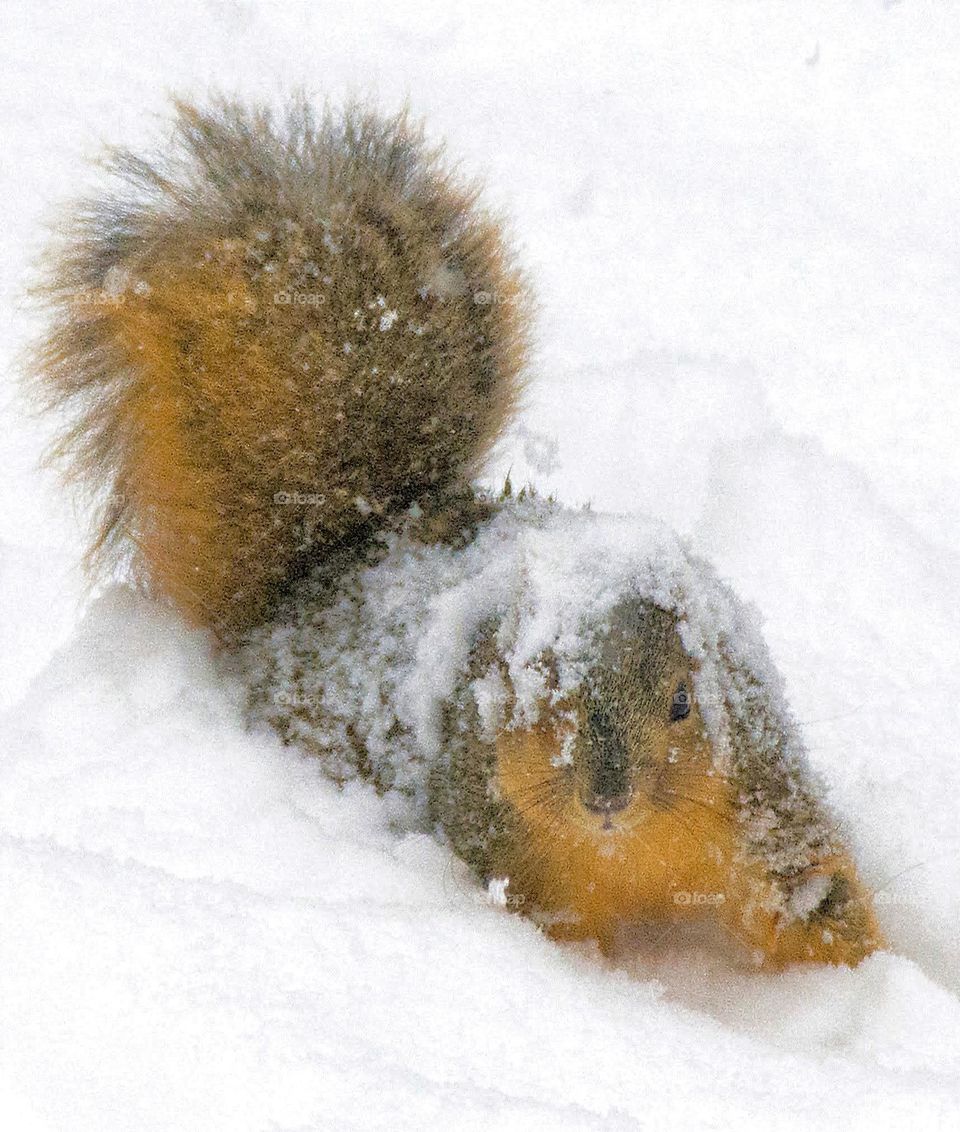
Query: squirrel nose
[(606, 803), (607, 786)]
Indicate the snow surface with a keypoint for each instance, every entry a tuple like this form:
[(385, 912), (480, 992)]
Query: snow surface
[(741, 221)]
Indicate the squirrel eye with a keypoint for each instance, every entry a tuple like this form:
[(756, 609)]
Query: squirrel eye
[(680, 707)]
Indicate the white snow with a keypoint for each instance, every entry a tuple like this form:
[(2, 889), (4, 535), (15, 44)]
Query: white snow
[(741, 223)]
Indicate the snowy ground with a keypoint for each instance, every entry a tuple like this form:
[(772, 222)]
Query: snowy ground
[(742, 224)]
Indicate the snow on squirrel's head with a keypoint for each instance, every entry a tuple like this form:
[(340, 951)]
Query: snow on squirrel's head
[(615, 688), (562, 678)]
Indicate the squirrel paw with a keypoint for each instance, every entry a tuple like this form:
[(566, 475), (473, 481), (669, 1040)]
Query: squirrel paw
[(839, 927)]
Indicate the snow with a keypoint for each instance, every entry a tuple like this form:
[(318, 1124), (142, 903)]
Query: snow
[(741, 224)]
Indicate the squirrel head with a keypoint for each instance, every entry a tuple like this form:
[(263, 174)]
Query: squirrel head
[(626, 747), (612, 799), (630, 785)]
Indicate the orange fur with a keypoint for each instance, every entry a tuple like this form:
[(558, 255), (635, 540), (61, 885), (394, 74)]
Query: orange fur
[(654, 865)]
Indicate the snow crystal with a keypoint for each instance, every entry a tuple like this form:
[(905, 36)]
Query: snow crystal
[(116, 280), (807, 897)]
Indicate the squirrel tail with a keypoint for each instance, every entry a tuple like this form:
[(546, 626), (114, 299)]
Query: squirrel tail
[(268, 339)]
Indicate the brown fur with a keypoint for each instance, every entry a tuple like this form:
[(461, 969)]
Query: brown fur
[(245, 436)]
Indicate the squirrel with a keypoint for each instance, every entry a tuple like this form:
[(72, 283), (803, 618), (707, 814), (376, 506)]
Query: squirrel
[(284, 346)]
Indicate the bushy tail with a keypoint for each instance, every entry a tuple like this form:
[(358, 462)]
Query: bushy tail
[(269, 338)]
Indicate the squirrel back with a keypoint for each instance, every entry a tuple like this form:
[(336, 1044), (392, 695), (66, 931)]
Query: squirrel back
[(272, 337)]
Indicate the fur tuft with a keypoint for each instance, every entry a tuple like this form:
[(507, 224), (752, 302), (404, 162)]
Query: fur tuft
[(270, 338)]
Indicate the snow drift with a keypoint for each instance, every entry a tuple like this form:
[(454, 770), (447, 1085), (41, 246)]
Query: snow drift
[(741, 225)]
